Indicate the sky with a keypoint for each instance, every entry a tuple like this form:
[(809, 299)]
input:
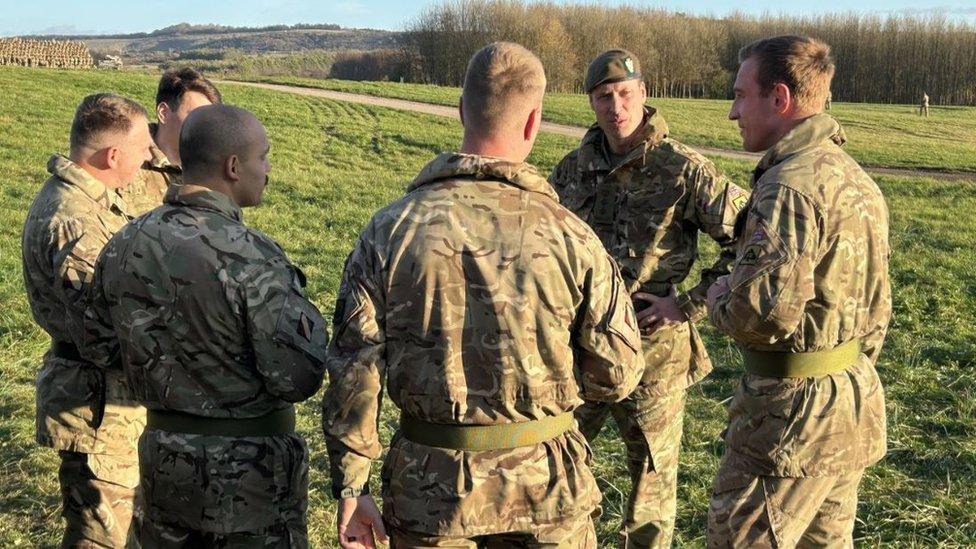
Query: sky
[(123, 16)]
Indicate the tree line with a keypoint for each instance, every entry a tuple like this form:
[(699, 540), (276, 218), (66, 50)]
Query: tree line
[(892, 59)]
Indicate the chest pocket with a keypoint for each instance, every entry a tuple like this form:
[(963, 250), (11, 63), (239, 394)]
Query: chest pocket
[(653, 207)]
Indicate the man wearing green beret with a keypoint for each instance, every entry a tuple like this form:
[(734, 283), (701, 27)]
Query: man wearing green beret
[(647, 197)]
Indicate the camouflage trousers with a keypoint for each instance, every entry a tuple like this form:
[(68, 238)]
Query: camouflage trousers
[(578, 534), (216, 491), (762, 511), (651, 429), (98, 497)]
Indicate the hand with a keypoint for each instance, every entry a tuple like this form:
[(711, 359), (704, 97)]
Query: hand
[(661, 311), (359, 523), (716, 290)]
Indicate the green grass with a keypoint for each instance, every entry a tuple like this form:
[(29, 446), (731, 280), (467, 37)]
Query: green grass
[(889, 136), (333, 164)]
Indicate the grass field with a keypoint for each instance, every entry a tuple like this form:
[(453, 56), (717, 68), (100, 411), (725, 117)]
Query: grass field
[(890, 136), (333, 164)]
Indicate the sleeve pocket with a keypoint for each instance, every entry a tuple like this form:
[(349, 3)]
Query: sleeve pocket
[(301, 326)]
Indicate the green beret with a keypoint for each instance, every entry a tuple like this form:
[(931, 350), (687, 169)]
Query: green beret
[(611, 66)]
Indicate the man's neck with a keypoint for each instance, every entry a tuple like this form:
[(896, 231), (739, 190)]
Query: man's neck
[(100, 175), (497, 148), (168, 143)]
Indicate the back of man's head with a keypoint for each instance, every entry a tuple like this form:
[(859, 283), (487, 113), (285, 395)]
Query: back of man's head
[(503, 84), (802, 63), (101, 119), (213, 133), (175, 83)]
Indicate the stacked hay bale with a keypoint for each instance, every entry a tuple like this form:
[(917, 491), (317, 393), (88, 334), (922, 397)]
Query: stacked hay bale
[(28, 52)]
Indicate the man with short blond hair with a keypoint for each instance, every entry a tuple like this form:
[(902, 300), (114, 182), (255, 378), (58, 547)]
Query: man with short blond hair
[(808, 301), (648, 197), (85, 412), (488, 310)]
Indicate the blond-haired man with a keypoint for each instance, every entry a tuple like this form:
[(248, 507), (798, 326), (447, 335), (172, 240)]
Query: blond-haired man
[(808, 301), (488, 309), (83, 411)]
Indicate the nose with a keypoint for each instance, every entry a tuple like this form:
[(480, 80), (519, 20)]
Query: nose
[(733, 112)]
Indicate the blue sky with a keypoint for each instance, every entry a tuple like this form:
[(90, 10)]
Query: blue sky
[(114, 16)]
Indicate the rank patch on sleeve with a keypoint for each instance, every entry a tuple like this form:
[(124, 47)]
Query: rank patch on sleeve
[(305, 326)]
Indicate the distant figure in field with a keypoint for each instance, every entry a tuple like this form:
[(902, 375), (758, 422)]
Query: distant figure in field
[(923, 109), (830, 99)]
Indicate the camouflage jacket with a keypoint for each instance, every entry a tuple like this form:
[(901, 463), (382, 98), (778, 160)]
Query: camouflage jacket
[(207, 315), (811, 273), (480, 300), (149, 187), (648, 210), (80, 407)]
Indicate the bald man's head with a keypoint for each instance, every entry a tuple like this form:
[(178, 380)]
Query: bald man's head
[(225, 144)]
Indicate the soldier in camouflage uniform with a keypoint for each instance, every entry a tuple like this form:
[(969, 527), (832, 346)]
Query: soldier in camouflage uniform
[(83, 411), (217, 338), (180, 91), (648, 196), (809, 302), (489, 309)]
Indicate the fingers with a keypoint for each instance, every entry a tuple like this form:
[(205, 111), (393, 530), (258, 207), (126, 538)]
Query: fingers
[(380, 532), (644, 296)]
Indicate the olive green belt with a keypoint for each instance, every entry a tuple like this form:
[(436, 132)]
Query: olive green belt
[(479, 438), (279, 422), (817, 363)]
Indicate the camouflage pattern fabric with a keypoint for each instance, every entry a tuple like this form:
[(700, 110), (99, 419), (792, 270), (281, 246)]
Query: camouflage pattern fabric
[(480, 300), (209, 318), (651, 431), (155, 177), (764, 511), (648, 209), (82, 410), (98, 498), (570, 535), (213, 491), (811, 273), (80, 407)]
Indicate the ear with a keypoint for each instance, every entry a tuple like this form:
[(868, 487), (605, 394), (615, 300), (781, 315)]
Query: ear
[(783, 100), (643, 91), (532, 124), (112, 158), (162, 112), (461, 110), (232, 167)]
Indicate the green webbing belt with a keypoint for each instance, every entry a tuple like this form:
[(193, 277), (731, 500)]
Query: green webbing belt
[(478, 438), (279, 422), (817, 363)]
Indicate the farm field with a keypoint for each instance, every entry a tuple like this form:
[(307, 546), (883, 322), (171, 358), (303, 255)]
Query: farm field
[(888, 136), (333, 164)]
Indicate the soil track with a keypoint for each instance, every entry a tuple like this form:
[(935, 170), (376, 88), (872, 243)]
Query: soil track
[(571, 131)]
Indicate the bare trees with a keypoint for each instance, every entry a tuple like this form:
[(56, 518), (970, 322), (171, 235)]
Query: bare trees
[(892, 59)]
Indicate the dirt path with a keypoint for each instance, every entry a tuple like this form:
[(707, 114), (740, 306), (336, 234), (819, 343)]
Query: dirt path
[(563, 129)]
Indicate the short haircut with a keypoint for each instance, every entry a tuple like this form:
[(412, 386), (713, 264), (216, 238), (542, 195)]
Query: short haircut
[(174, 84), (100, 114), (802, 63), (211, 134), (501, 76)]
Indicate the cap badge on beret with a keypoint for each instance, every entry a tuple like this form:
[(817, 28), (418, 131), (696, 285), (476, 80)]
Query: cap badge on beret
[(629, 63)]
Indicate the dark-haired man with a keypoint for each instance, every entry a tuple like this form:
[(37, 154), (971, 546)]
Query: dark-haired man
[(212, 326), (180, 91), (808, 301), (83, 411)]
